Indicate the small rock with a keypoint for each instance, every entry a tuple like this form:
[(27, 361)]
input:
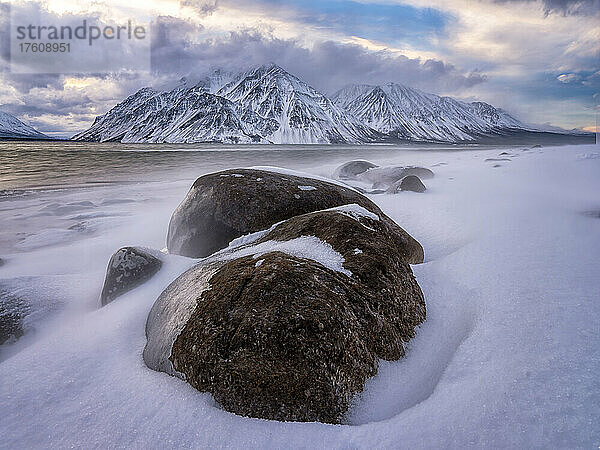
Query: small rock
[(497, 159), (128, 268), (537, 146), (1, 262), (386, 176), (12, 312), (409, 183)]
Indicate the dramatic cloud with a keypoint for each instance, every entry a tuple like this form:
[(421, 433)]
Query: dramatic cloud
[(328, 65), (537, 58), (567, 7)]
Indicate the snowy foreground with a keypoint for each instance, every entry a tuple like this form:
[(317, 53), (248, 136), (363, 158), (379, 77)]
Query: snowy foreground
[(509, 356)]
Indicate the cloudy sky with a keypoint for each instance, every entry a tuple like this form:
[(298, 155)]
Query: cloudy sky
[(539, 59)]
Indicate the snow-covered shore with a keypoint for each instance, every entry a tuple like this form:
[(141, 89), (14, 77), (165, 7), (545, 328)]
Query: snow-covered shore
[(509, 355)]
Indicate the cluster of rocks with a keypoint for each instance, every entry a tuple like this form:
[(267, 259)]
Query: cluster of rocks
[(302, 286), (391, 179)]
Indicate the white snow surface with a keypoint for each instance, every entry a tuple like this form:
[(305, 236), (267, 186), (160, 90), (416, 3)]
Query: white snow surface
[(509, 356)]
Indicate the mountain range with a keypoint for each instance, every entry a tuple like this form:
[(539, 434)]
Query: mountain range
[(13, 128), (269, 105)]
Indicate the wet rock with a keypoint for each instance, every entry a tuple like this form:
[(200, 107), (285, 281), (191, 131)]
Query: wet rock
[(283, 337), (537, 146), (350, 170), (128, 268), (223, 206), (409, 183)]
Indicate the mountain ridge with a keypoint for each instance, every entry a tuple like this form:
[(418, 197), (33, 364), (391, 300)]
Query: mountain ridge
[(267, 104)]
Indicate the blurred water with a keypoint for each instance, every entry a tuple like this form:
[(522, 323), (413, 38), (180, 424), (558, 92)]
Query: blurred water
[(35, 165)]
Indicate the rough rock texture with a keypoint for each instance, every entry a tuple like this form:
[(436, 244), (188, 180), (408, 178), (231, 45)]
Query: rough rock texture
[(391, 302), (279, 341), (350, 170), (283, 337), (226, 205), (12, 312), (409, 183), (128, 268)]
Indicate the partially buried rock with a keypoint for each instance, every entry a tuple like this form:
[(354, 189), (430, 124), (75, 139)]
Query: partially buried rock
[(223, 206), (128, 268), (285, 335), (386, 176), (13, 311), (409, 183), (350, 170)]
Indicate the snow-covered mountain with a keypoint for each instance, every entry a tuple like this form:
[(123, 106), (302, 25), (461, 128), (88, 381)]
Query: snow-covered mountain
[(406, 113), (265, 104), (269, 105), (296, 113), (181, 115), (11, 127)]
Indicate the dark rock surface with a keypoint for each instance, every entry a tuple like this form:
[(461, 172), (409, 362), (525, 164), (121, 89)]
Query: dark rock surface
[(351, 169), (1, 262), (283, 337), (376, 253), (409, 183), (12, 312), (128, 268), (279, 341), (226, 205)]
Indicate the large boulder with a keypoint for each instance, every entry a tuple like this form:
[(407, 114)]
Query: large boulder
[(223, 206), (351, 169), (128, 268), (286, 332)]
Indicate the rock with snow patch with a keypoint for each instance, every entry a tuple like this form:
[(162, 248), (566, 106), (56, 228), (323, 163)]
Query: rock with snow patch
[(128, 268), (350, 170), (291, 332), (376, 252), (223, 206)]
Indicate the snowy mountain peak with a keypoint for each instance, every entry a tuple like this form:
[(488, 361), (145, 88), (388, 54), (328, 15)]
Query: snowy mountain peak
[(11, 127), (268, 104), (408, 113)]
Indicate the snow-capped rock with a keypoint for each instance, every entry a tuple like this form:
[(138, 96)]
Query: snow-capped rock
[(11, 127), (407, 113)]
